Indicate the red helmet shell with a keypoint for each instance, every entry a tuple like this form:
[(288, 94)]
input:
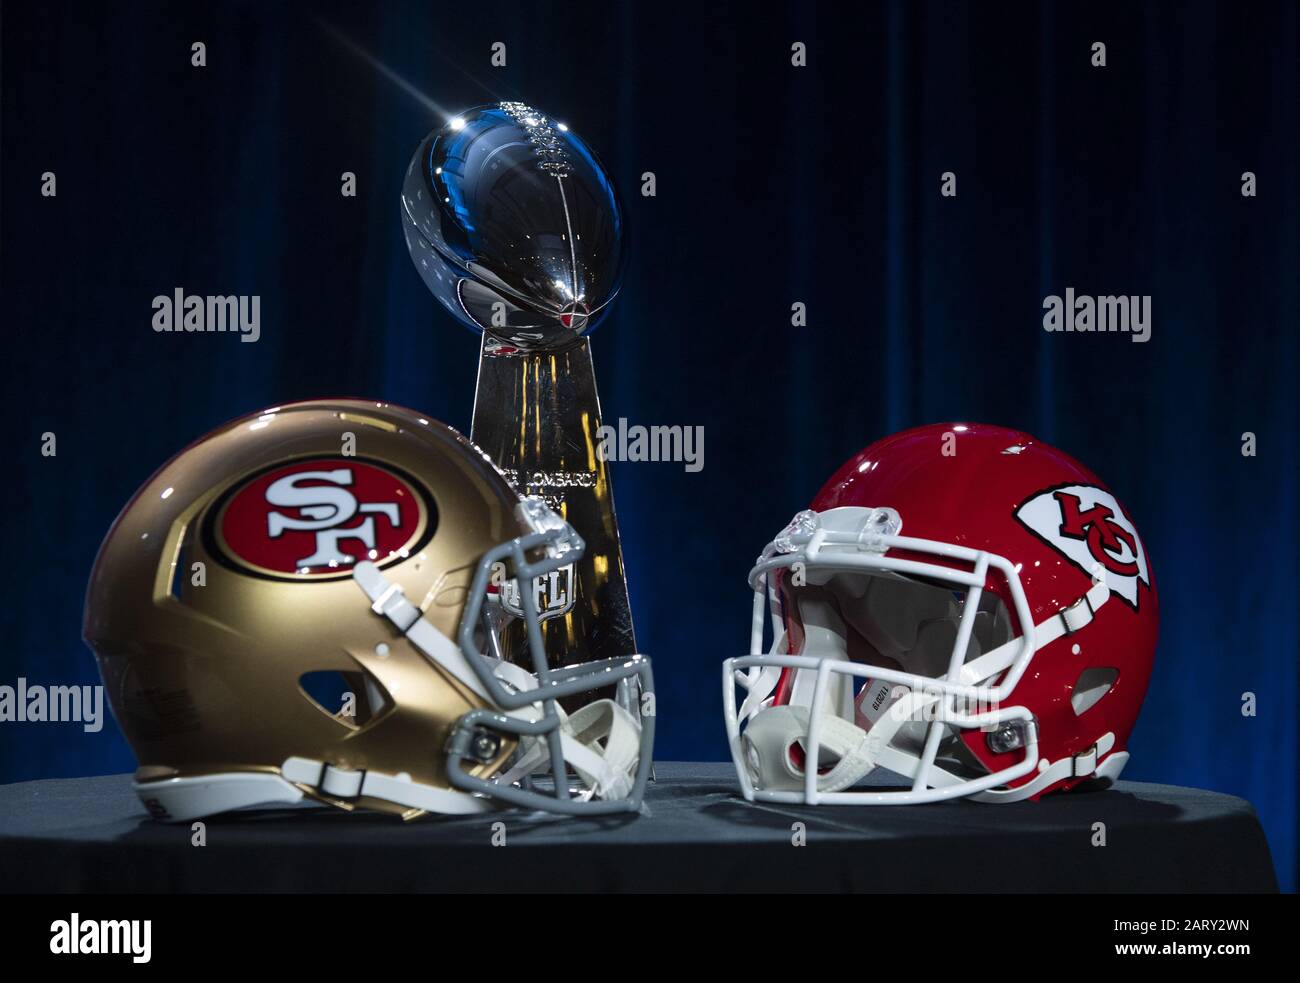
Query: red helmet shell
[(1005, 492)]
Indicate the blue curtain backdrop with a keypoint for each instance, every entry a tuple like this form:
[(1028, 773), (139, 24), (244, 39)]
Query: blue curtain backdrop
[(775, 185)]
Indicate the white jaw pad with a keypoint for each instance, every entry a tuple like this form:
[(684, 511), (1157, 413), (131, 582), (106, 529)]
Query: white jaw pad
[(178, 799), (399, 789)]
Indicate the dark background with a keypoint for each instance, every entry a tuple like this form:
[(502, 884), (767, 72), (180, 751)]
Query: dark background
[(775, 184)]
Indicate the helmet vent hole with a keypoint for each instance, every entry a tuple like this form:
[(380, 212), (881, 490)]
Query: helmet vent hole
[(351, 699), (1090, 687)]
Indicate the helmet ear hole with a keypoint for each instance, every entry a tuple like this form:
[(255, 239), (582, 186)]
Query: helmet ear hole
[(351, 699), (1090, 687)]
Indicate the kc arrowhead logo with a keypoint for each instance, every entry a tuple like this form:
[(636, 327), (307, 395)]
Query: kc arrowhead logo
[(1087, 525)]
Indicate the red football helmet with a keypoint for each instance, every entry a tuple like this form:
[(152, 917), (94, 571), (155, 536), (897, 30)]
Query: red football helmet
[(964, 606)]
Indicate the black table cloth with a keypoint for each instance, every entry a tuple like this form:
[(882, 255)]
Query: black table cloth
[(694, 835)]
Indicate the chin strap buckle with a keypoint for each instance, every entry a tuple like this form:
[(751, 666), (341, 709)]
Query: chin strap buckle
[(339, 783), (343, 786), (1077, 615), (393, 605), (1080, 614), (386, 597), (1085, 763)]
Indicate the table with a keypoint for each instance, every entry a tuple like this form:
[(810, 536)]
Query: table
[(695, 835)]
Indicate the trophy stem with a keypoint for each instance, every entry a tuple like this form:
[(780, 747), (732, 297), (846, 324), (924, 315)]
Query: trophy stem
[(537, 415)]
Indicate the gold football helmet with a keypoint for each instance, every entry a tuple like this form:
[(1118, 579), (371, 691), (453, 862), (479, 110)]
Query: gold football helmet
[(361, 545)]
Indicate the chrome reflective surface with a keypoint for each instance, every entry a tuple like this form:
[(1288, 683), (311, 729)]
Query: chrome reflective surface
[(537, 415), (514, 226)]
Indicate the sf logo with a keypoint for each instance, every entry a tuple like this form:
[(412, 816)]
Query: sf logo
[(1107, 540), (325, 510)]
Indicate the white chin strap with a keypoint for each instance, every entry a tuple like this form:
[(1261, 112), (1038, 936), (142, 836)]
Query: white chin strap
[(601, 741), (772, 734)]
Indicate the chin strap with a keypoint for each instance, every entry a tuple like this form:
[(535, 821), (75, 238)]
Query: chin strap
[(1065, 622), (773, 732), (607, 769), (388, 601), (601, 741)]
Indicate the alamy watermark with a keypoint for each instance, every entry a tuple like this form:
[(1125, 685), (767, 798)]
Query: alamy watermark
[(1086, 313), (187, 313), (27, 704), (640, 443), (75, 936)]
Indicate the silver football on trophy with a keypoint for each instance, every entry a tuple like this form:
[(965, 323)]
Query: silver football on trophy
[(515, 226)]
